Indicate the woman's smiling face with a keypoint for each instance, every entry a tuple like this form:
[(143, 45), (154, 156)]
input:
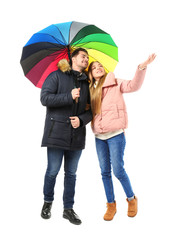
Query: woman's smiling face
[(98, 70)]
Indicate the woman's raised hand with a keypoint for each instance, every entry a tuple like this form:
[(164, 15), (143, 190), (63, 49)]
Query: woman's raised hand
[(150, 59)]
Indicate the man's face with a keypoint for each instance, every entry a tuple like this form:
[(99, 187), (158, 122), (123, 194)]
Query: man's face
[(81, 60)]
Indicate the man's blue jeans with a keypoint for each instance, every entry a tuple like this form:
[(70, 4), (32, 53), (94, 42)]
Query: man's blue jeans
[(71, 159), (110, 153)]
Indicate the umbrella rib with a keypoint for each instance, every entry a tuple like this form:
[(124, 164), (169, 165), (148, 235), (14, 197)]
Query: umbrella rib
[(82, 44), (51, 36), (78, 41), (63, 54), (61, 34), (93, 42), (90, 25)]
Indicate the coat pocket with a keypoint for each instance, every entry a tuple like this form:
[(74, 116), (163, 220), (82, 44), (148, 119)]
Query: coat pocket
[(121, 111), (51, 128), (110, 112), (78, 136), (60, 129)]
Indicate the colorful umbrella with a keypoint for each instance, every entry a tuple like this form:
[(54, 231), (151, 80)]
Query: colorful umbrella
[(47, 47)]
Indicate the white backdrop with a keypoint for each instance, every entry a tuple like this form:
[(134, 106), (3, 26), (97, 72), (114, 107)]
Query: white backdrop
[(139, 28)]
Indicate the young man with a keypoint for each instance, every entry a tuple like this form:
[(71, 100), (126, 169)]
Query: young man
[(66, 95)]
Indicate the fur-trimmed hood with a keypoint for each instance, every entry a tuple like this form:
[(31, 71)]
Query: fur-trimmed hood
[(64, 65)]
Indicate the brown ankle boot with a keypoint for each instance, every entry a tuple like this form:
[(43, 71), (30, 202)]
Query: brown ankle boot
[(111, 211), (132, 207)]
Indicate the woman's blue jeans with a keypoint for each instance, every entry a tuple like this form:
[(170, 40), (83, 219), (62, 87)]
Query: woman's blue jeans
[(71, 159), (110, 153)]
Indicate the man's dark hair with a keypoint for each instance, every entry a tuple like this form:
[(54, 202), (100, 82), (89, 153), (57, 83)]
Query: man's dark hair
[(76, 52)]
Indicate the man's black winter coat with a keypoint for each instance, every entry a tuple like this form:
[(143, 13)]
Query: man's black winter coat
[(56, 96)]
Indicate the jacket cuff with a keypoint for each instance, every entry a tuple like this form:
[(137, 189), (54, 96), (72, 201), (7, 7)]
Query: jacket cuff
[(81, 122), (141, 68)]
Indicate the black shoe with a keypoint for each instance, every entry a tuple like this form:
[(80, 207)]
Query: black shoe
[(71, 216), (46, 210)]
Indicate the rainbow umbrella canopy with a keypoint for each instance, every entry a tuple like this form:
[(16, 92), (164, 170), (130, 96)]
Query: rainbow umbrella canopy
[(47, 47)]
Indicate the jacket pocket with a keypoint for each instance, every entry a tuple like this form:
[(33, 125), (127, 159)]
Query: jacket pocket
[(122, 115), (51, 128), (110, 112), (60, 129), (78, 136), (121, 111)]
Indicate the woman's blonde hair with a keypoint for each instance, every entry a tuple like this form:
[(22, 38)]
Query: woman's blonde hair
[(95, 92)]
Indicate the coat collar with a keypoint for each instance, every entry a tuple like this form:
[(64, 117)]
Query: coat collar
[(80, 76), (110, 80)]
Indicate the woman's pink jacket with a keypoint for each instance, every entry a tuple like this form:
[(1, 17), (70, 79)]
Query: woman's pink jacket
[(113, 114)]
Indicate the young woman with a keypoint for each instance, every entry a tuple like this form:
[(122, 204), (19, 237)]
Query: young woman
[(108, 124)]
